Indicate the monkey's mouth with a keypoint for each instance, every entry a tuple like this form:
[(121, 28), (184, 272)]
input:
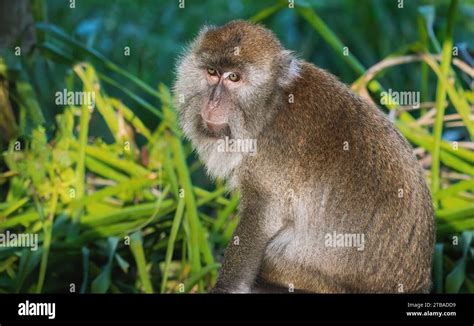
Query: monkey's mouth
[(214, 131)]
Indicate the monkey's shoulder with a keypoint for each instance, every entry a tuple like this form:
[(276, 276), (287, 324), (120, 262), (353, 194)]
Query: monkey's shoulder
[(320, 108)]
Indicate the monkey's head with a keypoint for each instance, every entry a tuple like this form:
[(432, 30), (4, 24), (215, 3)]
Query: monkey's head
[(229, 83)]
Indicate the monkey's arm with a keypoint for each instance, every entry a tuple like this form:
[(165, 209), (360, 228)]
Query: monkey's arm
[(245, 252)]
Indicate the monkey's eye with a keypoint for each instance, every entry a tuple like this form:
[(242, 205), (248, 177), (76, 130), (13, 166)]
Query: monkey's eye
[(212, 71), (234, 77)]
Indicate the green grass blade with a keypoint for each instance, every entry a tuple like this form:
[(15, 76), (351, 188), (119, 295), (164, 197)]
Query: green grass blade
[(267, 12), (136, 246), (438, 268), (440, 99), (172, 238), (102, 282), (126, 186), (454, 189), (83, 136), (85, 268), (193, 280)]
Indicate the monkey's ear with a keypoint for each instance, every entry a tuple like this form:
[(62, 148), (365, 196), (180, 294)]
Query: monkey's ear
[(289, 68)]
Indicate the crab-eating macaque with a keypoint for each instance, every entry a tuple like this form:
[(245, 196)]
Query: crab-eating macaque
[(332, 197)]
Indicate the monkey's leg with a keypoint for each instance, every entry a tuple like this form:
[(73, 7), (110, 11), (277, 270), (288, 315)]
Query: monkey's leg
[(243, 256)]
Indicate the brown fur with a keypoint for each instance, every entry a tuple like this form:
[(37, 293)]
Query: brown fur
[(302, 185)]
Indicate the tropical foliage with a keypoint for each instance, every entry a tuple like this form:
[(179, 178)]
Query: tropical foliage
[(118, 199)]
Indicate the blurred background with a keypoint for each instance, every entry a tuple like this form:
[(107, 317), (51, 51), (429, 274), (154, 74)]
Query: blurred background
[(118, 199)]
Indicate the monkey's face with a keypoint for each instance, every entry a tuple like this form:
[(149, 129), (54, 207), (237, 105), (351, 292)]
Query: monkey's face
[(218, 100), (220, 103), (229, 82), (228, 79)]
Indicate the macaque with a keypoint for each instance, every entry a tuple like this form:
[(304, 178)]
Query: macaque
[(332, 198)]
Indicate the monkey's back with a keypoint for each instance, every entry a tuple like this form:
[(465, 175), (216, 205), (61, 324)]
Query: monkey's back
[(340, 167)]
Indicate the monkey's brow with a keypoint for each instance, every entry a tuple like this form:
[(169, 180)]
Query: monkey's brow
[(221, 63)]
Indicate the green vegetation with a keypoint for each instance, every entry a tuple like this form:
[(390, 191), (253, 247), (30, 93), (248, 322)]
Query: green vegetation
[(118, 199)]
